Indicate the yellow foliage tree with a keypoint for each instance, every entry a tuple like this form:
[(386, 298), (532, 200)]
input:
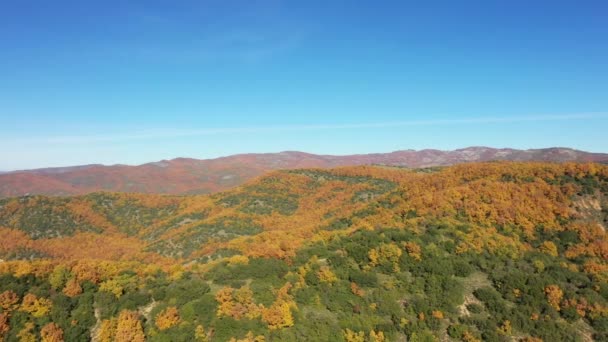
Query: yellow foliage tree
[(467, 336), (532, 339), (113, 286), (200, 334), (505, 328), (376, 336), (37, 307), (385, 253), (279, 315), (249, 338), (23, 268), (549, 247), (352, 336), (238, 260), (59, 277), (225, 301), (128, 327), (27, 333), (326, 275), (107, 331)]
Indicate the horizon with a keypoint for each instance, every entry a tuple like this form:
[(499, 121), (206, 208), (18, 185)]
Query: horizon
[(296, 151), (118, 83)]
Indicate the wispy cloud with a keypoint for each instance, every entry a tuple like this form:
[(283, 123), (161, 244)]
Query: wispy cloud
[(168, 133)]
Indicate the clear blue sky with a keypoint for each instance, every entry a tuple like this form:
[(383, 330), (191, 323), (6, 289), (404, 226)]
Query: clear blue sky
[(132, 82)]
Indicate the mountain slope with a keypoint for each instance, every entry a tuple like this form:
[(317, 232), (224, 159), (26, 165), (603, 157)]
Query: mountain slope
[(192, 176), (480, 251)]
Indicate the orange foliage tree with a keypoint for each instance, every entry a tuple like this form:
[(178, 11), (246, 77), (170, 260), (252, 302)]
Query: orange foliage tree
[(167, 318), (237, 303), (4, 325), (356, 290), (554, 296), (51, 333), (278, 315), (72, 288), (8, 300), (413, 250)]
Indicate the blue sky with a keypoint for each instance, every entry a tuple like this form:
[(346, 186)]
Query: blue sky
[(131, 82)]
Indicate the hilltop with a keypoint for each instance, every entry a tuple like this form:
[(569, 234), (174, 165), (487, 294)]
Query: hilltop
[(194, 176), (480, 251)]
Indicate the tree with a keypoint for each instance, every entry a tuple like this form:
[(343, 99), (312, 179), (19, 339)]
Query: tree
[(27, 333), (72, 288), (128, 327), (200, 334), (107, 331), (86, 270), (167, 318), (113, 286), (238, 260), (51, 333), (356, 290), (249, 338), (9, 300), (326, 275), (505, 328), (385, 253), (413, 250), (554, 296), (59, 277), (438, 314), (237, 304), (376, 336), (37, 307), (4, 325), (226, 304), (278, 315), (549, 248), (352, 336)]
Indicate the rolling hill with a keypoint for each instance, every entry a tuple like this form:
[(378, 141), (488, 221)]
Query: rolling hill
[(192, 176), (494, 251)]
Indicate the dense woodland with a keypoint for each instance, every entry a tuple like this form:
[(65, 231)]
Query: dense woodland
[(496, 251)]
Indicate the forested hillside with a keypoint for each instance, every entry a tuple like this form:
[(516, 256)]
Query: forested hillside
[(495, 251)]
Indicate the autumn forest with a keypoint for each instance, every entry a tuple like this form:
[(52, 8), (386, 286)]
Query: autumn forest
[(495, 251)]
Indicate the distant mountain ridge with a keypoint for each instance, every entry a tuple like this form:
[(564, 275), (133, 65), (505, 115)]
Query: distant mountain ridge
[(191, 176)]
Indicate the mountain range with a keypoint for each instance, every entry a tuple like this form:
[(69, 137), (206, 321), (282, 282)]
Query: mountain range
[(200, 176)]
